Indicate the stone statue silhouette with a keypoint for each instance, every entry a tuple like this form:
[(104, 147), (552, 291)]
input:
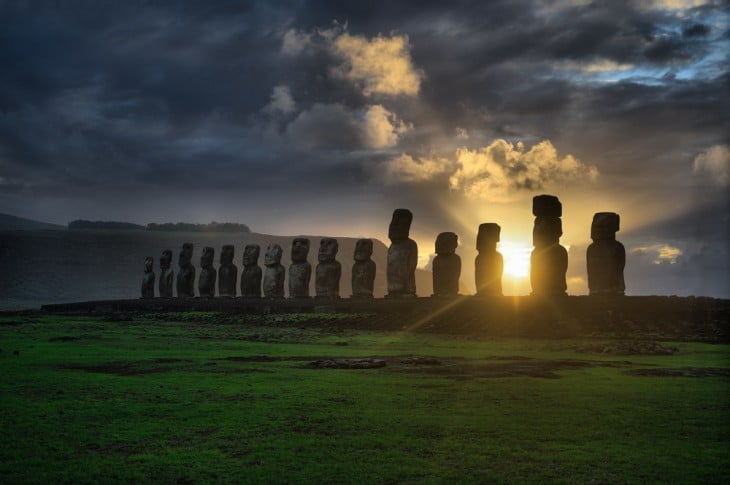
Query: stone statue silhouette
[(489, 264), (363, 271), (329, 270), (549, 260), (402, 256), (446, 265), (166, 274), (186, 274), (148, 280), (251, 274), (605, 257), (227, 272), (300, 271), (274, 273), (206, 283)]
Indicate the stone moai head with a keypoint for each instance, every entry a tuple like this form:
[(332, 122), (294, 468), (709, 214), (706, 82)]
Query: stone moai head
[(166, 259), (400, 225), (328, 248), (299, 250), (546, 206), (446, 243), (206, 259), (605, 225), (186, 255), (227, 253), (273, 255), (546, 231), (148, 263), (363, 249), (488, 236), (251, 254)]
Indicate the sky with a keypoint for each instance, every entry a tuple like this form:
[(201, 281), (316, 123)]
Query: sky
[(322, 117)]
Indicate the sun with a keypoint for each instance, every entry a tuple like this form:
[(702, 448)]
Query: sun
[(516, 259)]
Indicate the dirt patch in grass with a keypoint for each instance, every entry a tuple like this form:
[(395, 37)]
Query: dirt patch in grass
[(534, 368), (680, 372), (347, 364), (126, 368), (636, 347), (74, 338)]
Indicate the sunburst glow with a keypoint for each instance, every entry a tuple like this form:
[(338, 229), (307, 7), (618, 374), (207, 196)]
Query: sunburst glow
[(516, 259)]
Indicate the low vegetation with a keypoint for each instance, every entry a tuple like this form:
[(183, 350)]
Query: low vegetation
[(196, 398)]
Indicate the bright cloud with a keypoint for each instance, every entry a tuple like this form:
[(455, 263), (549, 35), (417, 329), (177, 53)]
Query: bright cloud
[(496, 171), (381, 128), (281, 101), (715, 163), (662, 253), (381, 65), (405, 168)]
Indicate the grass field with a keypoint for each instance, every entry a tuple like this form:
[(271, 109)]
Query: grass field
[(188, 399)]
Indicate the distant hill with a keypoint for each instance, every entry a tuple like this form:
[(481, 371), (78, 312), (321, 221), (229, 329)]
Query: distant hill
[(81, 224), (14, 223), (188, 227)]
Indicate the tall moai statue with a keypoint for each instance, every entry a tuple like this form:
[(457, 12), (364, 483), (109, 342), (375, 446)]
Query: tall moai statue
[(300, 271), (605, 257), (274, 273), (549, 260), (402, 256), (251, 274), (148, 280), (489, 264), (363, 271), (329, 270), (166, 274), (206, 283), (227, 273), (446, 265), (186, 274)]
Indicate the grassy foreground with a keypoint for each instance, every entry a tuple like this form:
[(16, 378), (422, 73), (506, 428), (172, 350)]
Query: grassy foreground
[(88, 400)]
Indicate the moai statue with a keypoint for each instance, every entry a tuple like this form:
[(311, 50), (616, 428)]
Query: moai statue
[(446, 265), (227, 273), (206, 283), (186, 275), (251, 274), (165, 284), (363, 271), (605, 257), (402, 256), (148, 280), (329, 270), (549, 260), (274, 273), (300, 271), (489, 264)]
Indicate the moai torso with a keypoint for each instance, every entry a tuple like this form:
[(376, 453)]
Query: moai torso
[(206, 283), (186, 273), (363, 271), (251, 274), (605, 257), (166, 274), (329, 270), (227, 273), (549, 260), (300, 271), (148, 280), (489, 264), (274, 272), (446, 265), (402, 256)]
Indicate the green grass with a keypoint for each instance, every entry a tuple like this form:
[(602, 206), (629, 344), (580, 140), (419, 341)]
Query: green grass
[(87, 400)]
